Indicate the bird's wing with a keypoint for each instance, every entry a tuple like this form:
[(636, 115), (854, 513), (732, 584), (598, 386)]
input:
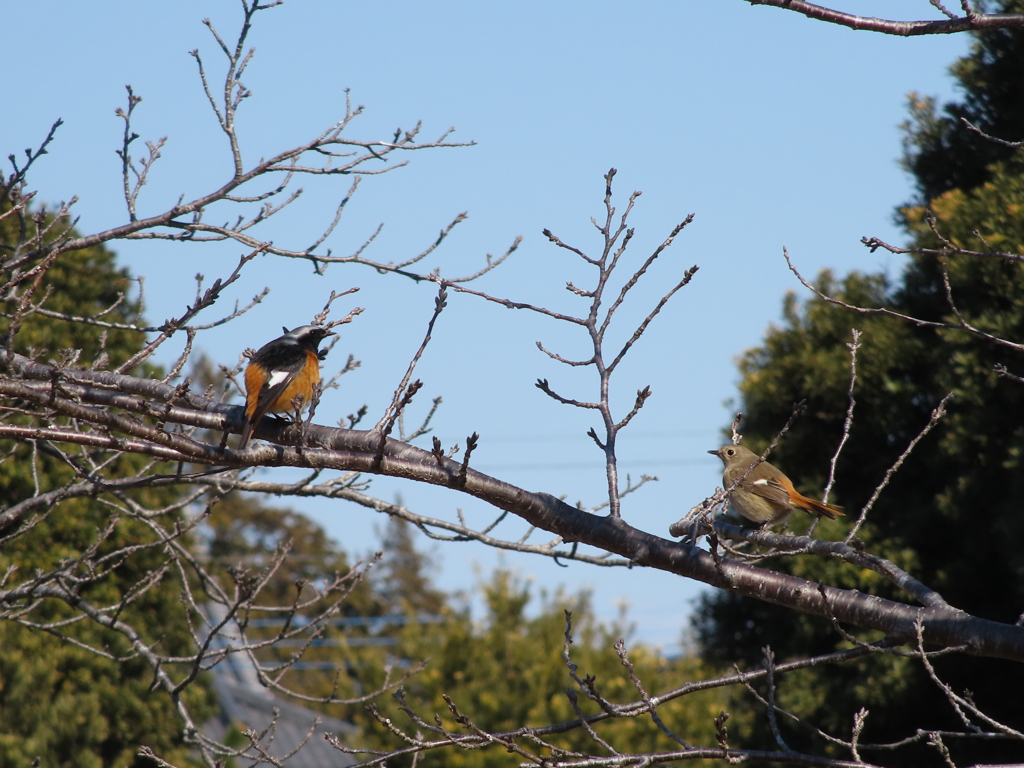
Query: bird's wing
[(275, 385), (771, 490)]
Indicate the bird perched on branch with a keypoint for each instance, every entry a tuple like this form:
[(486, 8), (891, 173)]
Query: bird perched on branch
[(765, 495), (281, 375)]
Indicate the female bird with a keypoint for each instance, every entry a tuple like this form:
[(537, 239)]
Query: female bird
[(765, 496)]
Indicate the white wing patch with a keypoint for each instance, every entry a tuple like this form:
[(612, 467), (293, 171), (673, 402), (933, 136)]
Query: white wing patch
[(276, 378), (760, 482)]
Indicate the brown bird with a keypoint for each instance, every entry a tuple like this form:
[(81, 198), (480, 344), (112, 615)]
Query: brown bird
[(765, 496)]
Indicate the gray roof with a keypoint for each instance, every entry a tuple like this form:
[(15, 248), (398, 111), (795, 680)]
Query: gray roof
[(243, 707), (247, 704)]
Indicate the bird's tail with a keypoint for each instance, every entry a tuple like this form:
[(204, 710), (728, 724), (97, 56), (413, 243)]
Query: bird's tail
[(817, 508), (246, 434)]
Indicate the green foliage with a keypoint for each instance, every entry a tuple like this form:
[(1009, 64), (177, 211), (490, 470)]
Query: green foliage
[(243, 539), (502, 671), (952, 514), (979, 452), (507, 671), (58, 701), (241, 532), (84, 283), (402, 578), (939, 150)]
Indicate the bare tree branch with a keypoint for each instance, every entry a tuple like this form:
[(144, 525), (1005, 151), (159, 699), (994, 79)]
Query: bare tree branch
[(951, 24)]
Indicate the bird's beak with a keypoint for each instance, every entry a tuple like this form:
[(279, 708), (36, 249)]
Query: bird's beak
[(713, 453)]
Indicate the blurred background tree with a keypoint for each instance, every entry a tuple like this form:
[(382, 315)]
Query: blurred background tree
[(952, 515), (57, 700), (506, 670)]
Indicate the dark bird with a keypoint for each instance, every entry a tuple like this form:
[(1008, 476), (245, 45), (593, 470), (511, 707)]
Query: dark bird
[(282, 374)]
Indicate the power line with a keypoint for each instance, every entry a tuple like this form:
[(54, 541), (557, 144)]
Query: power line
[(561, 466)]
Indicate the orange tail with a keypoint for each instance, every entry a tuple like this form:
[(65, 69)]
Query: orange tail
[(816, 507)]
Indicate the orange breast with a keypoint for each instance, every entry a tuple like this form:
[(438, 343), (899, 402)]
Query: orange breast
[(302, 384), (253, 383)]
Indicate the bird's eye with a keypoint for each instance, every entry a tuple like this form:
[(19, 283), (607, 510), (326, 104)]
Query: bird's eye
[(731, 452)]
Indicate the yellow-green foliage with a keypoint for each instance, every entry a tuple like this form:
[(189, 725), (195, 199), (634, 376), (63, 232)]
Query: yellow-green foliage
[(506, 671)]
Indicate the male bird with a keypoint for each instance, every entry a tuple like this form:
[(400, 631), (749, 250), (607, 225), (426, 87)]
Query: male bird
[(281, 373), (765, 496)]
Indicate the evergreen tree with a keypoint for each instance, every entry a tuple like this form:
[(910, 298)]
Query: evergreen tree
[(506, 670), (503, 670), (403, 577), (59, 702), (244, 535), (940, 151), (952, 515)]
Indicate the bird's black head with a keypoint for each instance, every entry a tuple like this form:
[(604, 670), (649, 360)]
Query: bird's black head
[(308, 336)]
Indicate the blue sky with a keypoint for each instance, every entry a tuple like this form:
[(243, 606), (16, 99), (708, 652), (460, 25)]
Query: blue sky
[(772, 129)]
